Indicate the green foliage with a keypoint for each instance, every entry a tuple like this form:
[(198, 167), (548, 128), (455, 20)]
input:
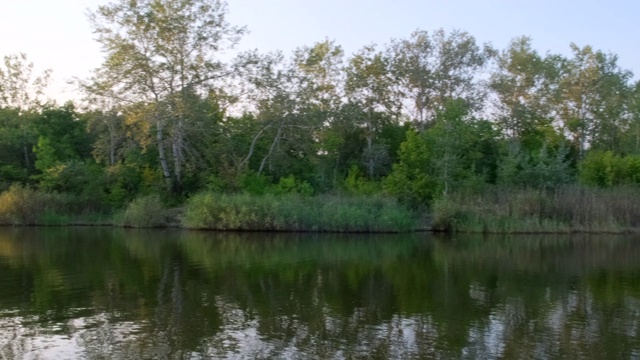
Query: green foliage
[(214, 183), (10, 174), (291, 185), (64, 131), (542, 169), (124, 182), (356, 184), (24, 206), (74, 177), (409, 180), (606, 169), (45, 154), (254, 183), (563, 209), (452, 154), (144, 212), (294, 212), (396, 121)]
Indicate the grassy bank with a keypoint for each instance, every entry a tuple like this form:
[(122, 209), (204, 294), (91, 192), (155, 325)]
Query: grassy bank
[(566, 209), (497, 210), (20, 206), (293, 212)]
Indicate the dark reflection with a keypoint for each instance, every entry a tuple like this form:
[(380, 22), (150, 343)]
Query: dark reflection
[(110, 293)]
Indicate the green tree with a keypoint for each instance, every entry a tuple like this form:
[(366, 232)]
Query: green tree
[(593, 91), (524, 84), (19, 88), (21, 93), (369, 84), (630, 139), (159, 53), (63, 153), (431, 69), (455, 154)]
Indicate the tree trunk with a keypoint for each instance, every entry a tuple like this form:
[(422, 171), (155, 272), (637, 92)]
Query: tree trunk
[(177, 147), (112, 148), (370, 160), (273, 146), (161, 155), (27, 163)]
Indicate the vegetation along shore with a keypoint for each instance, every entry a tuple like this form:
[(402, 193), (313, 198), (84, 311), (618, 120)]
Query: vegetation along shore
[(433, 131)]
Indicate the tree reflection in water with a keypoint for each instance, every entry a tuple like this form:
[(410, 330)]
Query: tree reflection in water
[(113, 293)]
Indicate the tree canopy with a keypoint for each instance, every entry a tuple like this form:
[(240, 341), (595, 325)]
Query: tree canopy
[(174, 110)]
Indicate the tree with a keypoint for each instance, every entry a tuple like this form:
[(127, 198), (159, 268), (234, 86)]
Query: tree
[(319, 75), (294, 101), (63, 153), (631, 137), (110, 129), (592, 96), (524, 84), (429, 70), (455, 152), (368, 85), (162, 53), (22, 91), (19, 89)]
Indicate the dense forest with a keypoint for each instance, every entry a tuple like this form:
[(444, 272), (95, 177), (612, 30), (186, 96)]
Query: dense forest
[(434, 119)]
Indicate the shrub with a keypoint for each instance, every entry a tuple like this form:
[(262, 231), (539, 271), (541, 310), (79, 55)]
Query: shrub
[(563, 209), (291, 185), (254, 183), (606, 169), (146, 211), (295, 212), (24, 206), (355, 183)]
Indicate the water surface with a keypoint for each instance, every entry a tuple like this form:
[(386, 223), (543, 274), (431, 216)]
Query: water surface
[(101, 293)]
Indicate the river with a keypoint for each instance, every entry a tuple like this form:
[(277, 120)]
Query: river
[(104, 293)]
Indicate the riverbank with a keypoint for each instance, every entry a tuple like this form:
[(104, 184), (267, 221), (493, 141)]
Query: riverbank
[(214, 211), (496, 210), (561, 210)]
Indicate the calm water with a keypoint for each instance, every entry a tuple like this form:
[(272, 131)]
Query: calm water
[(117, 294)]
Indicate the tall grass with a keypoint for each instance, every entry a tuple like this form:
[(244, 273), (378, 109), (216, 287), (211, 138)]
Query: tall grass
[(144, 212), (21, 205), (294, 212), (24, 206), (565, 209)]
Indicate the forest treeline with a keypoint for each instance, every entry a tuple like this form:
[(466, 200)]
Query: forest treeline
[(428, 118)]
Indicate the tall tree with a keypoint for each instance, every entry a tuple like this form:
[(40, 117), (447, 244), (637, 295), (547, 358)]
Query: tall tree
[(294, 100), (368, 84), (22, 91), (431, 69), (524, 84), (160, 53), (591, 104), (19, 88), (631, 137)]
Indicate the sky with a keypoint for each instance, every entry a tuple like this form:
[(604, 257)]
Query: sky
[(56, 35)]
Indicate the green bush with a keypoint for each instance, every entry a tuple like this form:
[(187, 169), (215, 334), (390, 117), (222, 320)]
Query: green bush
[(606, 169), (146, 211), (563, 209), (355, 183), (295, 212), (543, 168), (254, 183), (291, 185), (24, 206)]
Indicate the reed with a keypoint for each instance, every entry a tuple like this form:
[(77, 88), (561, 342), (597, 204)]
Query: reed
[(143, 212), (564, 209), (295, 212)]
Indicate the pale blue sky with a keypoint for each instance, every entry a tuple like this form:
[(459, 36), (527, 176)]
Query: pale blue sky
[(55, 33)]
